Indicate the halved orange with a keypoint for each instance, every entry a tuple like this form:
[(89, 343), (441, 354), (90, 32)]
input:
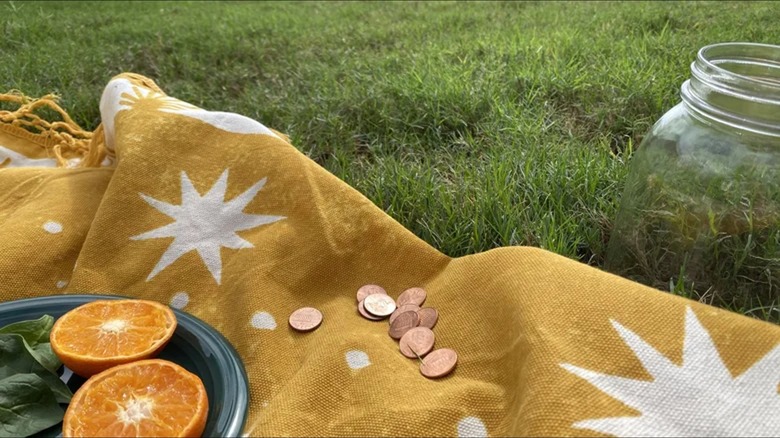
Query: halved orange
[(152, 397), (104, 333)]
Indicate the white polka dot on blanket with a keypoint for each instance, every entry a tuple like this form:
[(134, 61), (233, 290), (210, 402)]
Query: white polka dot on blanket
[(52, 227), (357, 359), (61, 284), (471, 427), (180, 300), (263, 321)]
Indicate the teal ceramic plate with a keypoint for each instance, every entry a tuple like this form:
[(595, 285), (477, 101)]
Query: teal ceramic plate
[(195, 345)]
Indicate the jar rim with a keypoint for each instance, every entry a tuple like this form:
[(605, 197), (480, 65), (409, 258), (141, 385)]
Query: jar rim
[(708, 68), (736, 84)]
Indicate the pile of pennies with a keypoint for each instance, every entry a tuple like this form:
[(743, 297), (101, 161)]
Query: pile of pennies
[(410, 324)]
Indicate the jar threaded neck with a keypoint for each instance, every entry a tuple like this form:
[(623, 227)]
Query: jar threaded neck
[(737, 85)]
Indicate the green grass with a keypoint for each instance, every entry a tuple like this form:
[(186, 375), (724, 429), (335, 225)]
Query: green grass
[(475, 125)]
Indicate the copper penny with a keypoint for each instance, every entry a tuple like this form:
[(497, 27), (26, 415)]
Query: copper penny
[(428, 317), (305, 319), (369, 289), (439, 363), (402, 324), (415, 295), (402, 309), (379, 305), (417, 342), (364, 314)]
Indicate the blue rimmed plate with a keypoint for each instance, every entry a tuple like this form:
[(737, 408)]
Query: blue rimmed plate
[(195, 345)]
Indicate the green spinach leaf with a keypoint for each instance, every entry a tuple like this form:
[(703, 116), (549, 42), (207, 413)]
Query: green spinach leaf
[(27, 406), (46, 357), (16, 358), (36, 336), (34, 331)]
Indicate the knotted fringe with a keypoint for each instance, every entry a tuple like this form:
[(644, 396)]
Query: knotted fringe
[(65, 136)]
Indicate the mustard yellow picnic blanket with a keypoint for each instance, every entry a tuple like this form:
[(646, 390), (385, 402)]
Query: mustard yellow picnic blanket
[(215, 214)]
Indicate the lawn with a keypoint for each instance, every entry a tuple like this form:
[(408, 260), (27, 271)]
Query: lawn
[(474, 124)]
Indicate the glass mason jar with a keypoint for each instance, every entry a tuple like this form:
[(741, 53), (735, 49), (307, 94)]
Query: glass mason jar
[(701, 206)]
